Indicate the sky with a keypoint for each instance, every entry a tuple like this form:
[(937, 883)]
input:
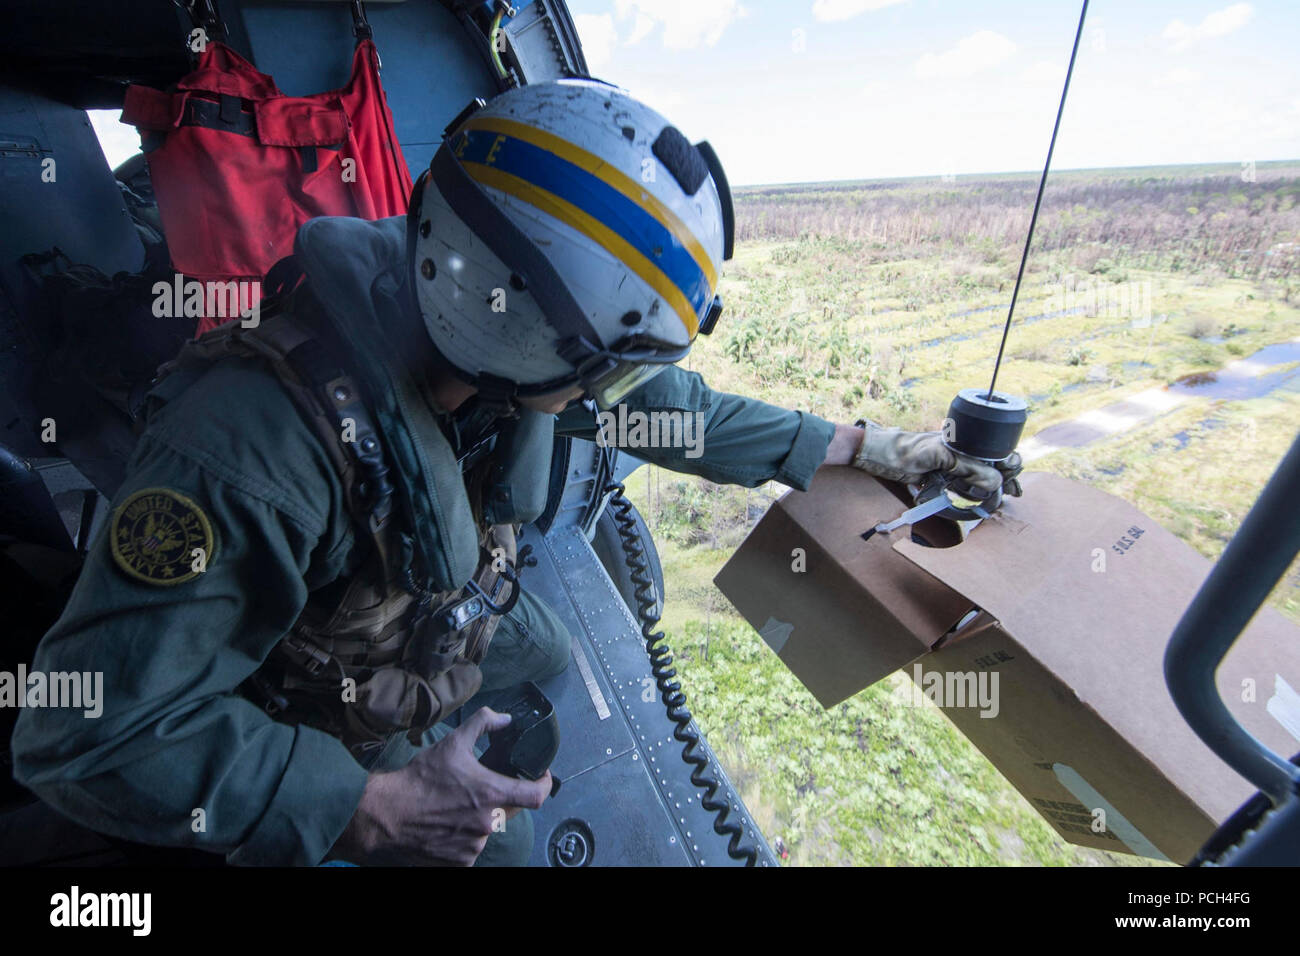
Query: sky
[(810, 90), (814, 90)]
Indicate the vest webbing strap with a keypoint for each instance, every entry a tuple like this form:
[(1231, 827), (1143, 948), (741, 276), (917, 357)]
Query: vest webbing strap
[(329, 398), (409, 672)]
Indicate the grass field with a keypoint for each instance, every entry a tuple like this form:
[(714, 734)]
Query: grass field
[(882, 300)]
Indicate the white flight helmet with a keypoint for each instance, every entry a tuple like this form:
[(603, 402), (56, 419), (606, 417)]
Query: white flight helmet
[(566, 233)]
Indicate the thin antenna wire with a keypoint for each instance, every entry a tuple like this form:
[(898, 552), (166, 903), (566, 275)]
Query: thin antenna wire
[(1024, 257)]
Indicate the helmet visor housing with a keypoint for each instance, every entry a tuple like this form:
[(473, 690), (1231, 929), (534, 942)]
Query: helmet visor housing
[(608, 376)]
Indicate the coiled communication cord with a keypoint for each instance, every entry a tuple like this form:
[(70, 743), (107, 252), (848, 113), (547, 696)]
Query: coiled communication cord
[(670, 691)]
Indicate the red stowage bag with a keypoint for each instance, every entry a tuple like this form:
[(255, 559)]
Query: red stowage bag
[(241, 166)]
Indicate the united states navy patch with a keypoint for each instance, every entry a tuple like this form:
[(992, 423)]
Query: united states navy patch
[(160, 536)]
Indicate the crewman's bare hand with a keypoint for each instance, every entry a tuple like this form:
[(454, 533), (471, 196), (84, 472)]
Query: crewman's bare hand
[(440, 808)]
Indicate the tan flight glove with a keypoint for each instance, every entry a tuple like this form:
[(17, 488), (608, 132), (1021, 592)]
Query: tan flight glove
[(897, 455)]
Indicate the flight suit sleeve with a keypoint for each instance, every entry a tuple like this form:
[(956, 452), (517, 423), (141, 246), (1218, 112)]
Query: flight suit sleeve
[(729, 439), (169, 754)]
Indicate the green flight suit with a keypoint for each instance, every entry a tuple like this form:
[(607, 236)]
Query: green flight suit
[(174, 737)]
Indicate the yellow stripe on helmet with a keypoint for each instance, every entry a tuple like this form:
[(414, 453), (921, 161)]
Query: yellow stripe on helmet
[(603, 171), (593, 229)]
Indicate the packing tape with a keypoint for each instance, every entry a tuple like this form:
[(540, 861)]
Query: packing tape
[(1116, 822)]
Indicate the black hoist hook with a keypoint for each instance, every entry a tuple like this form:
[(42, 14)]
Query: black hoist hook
[(205, 16), (361, 28)]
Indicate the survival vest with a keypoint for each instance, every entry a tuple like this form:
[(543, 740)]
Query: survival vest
[(237, 166), (375, 653)]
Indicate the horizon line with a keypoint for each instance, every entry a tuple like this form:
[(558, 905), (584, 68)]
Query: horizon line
[(1010, 172)]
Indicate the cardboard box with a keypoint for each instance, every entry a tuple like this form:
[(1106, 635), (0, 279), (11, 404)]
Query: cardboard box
[(1058, 608)]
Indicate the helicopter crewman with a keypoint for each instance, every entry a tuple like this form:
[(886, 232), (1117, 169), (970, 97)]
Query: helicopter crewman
[(311, 566)]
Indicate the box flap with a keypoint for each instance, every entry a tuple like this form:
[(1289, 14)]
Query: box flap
[(1095, 588), (844, 612), (838, 507), (1064, 560)]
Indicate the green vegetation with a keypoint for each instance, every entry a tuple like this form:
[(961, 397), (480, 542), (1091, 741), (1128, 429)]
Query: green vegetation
[(883, 299)]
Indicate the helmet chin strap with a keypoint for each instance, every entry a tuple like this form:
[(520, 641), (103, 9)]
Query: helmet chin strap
[(469, 202), (497, 395), (509, 244)]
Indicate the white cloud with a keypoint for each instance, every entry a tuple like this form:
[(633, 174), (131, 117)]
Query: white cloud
[(663, 101), (640, 29), (1044, 73), (1217, 24), (974, 53), (688, 24), (831, 11), (1177, 77), (598, 37)]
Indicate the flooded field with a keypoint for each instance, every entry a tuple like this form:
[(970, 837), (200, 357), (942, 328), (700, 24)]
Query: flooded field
[(1161, 365)]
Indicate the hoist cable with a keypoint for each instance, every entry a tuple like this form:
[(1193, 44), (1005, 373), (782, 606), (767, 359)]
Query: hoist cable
[(1042, 183)]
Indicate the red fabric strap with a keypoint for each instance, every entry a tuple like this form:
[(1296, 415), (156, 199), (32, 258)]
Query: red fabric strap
[(231, 203)]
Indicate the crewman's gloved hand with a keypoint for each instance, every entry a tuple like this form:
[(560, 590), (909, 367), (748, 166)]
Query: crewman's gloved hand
[(1011, 467), (897, 455), (441, 807)]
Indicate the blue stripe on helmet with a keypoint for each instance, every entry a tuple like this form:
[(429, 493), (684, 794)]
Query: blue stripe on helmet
[(643, 231)]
